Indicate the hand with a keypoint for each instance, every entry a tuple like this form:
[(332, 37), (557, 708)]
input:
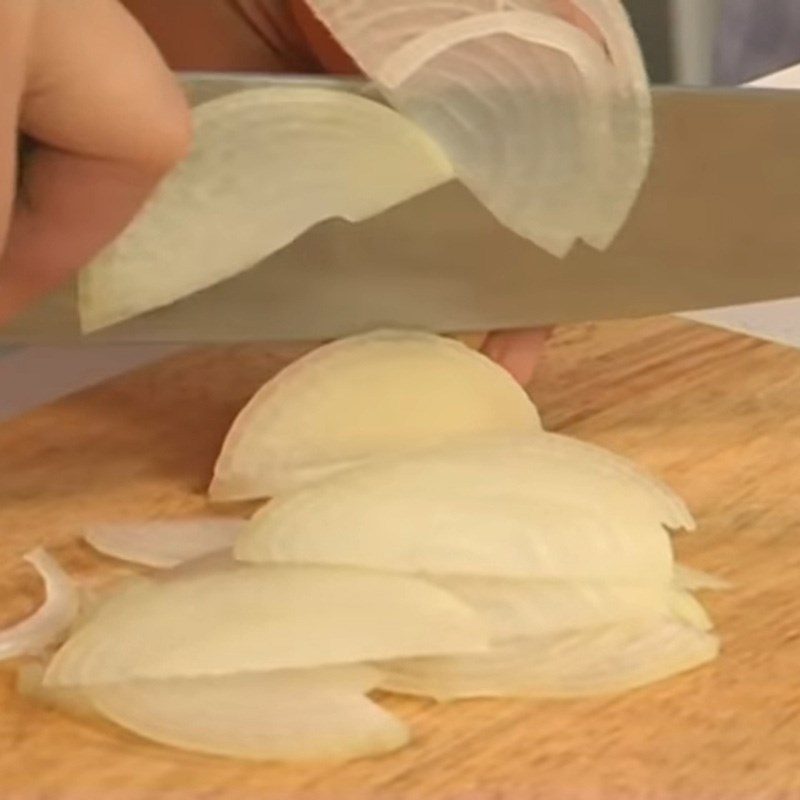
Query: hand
[(84, 81)]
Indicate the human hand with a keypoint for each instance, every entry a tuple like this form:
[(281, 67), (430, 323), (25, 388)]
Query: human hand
[(85, 82)]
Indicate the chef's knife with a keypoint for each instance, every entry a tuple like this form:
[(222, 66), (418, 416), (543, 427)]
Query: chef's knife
[(718, 223)]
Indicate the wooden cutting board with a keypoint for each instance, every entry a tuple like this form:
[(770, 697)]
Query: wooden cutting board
[(717, 415)]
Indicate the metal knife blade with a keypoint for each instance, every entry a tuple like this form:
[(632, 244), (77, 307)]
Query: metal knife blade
[(718, 223)]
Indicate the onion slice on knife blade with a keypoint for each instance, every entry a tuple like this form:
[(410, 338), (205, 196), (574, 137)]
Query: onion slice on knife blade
[(541, 506), (360, 397), (526, 103), (50, 623), (163, 544), (266, 165), (259, 619), (581, 663)]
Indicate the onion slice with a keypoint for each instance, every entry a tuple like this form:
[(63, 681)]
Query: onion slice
[(266, 165), (261, 619), (515, 609), (50, 623), (549, 129), (289, 716), (695, 580), (365, 396), (541, 506), (581, 663), (164, 544)]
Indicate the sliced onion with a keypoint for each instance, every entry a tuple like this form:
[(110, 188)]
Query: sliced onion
[(260, 619), (632, 121), (530, 109), (541, 506), (517, 609), (370, 395), (267, 164), (688, 609), (695, 580), (289, 716), (50, 623), (164, 544), (595, 662)]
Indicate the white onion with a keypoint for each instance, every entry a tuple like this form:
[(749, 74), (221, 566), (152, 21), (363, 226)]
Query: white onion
[(370, 395), (540, 506), (550, 131), (51, 622), (289, 716), (266, 165), (164, 543), (599, 661), (260, 619), (688, 609), (516, 609)]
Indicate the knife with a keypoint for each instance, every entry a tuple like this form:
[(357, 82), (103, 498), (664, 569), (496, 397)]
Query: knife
[(717, 224)]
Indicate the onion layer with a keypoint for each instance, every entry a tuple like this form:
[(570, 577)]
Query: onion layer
[(540, 506), (289, 716), (50, 623), (266, 165), (361, 397), (164, 544), (551, 129), (256, 619)]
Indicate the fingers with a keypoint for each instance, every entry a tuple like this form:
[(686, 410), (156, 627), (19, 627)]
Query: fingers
[(518, 351), (111, 121), (16, 20)]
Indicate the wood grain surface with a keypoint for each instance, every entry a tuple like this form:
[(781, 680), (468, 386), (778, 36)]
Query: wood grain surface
[(716, 414)]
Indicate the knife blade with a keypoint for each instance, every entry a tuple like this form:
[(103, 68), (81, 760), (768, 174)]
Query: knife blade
[(716, 224)]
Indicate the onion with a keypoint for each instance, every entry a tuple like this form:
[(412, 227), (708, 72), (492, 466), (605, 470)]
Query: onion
[(290, 716), (164, 543), (694, 580), (267, 164), (51, 622), (688, 609), (632, 118), (364, 396), (600, 661), (516, 609), (540, 506), (258, 619), (551, 131)]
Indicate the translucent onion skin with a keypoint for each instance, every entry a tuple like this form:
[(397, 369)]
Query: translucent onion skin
[(555, 148), (50, 623), (164, 544)]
